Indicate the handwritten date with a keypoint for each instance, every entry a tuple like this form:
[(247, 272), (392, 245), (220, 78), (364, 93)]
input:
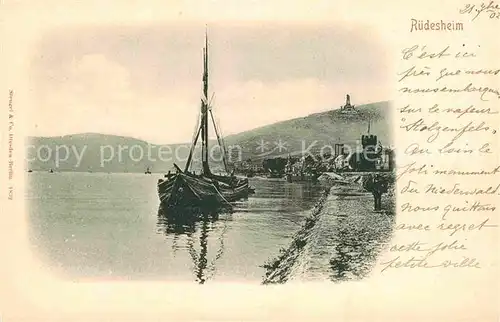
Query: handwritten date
[(492, 9)]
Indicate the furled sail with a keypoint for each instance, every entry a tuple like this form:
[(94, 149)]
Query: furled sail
[(207, 189)]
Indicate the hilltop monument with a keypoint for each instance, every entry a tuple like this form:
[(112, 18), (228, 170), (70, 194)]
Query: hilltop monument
[(348, 108)]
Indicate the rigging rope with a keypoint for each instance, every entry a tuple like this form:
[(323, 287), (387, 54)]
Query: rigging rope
[(220, 138), (196, 134), (222, 196), (221, 143)]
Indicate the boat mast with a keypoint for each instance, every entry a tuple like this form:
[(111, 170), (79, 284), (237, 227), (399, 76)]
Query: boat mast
[(204, 110)]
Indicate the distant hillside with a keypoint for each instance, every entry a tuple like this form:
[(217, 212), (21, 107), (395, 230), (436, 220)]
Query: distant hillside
[(102, 152), (326, 128)]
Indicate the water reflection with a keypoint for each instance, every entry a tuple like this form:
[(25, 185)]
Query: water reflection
[(83, 222), (279, 196), (279, 188), (198, 228), (301, 190)]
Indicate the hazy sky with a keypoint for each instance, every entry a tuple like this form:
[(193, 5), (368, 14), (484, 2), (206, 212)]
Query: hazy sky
[(145, 82)]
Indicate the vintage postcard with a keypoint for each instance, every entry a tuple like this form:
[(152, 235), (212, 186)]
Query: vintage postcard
[(249, 160)]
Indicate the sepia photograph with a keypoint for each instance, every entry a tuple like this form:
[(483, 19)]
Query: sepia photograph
[(249, 161), (210, 152)]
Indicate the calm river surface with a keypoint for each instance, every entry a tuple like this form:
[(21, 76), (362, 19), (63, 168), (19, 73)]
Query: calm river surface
[(89, 226)]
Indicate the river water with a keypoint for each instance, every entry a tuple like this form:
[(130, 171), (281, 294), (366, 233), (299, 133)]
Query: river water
[(91, 226)]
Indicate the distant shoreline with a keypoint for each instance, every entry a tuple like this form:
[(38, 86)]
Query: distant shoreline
[(212, 140), (315, 134)]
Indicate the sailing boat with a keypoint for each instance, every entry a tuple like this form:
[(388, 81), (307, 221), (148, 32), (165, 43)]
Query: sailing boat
[(206, 190)]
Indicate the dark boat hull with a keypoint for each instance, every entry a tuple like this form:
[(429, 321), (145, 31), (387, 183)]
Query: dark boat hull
[(188, 191)]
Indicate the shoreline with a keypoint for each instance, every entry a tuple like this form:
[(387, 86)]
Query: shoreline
[(343, 223), (279, 269)]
